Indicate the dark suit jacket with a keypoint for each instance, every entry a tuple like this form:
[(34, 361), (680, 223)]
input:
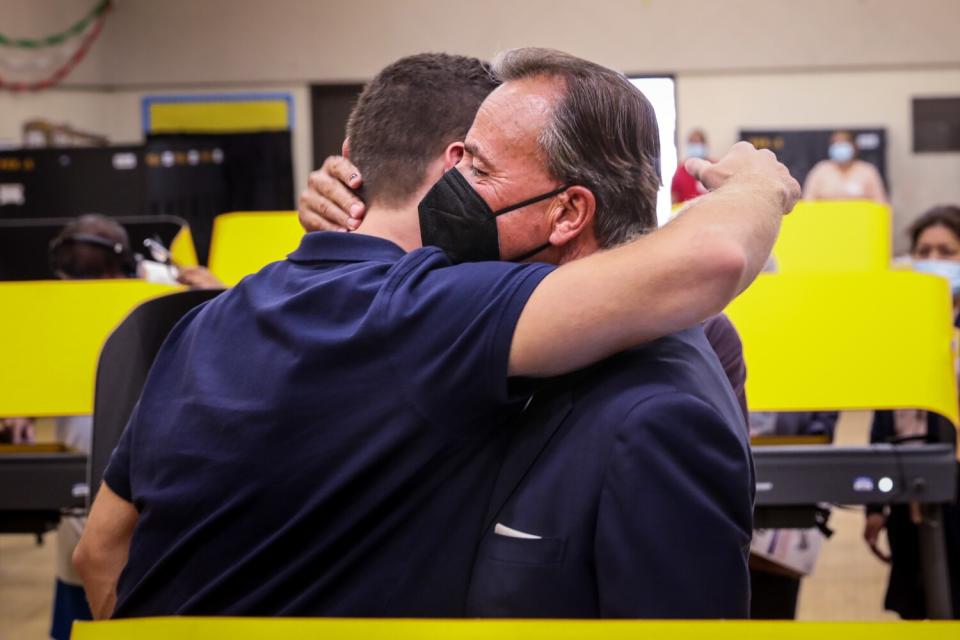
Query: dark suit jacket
[(637, 476)]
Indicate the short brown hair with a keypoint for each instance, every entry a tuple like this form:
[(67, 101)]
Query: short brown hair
[(408, 114), (602, 135)]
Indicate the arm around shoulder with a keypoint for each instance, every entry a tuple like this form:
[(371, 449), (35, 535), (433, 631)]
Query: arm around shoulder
[(663, 282)]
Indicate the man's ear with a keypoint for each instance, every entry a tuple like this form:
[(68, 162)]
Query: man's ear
[(452, 155), (345, 148), (572, 218)]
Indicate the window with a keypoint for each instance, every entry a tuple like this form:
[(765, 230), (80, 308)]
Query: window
[(661, 93), (936, 124)]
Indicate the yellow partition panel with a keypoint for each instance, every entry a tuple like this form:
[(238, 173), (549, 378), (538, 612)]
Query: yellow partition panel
[(51, 333), (408, 629), (880, 340), (183, 251), (244, 242), (850, 235), (231, 113)]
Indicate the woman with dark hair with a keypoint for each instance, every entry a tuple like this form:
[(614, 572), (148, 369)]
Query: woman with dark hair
[(934, 248), (936, 235)]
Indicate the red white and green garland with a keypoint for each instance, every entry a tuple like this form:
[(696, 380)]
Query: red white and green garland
[(41, 53)]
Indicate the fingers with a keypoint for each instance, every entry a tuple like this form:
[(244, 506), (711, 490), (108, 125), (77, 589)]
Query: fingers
[(317, 213), (199, 278), (794, 192), (340, 189), (343, 170), (328, 203), (696, 167)]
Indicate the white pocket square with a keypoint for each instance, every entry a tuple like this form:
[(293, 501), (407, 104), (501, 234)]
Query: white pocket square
[(503, 530)]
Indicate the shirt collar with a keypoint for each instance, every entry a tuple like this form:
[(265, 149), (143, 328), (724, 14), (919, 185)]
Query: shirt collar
[(333, 246)]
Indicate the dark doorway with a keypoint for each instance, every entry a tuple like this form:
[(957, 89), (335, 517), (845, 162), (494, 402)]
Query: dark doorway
[(330, 107)]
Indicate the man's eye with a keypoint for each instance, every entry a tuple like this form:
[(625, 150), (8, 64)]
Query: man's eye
[(476, 172)]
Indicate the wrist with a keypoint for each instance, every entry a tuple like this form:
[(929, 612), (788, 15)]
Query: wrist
[(768, 192)]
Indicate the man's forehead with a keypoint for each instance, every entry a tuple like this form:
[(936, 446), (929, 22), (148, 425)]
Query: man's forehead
[(536, 94), (516, 110)]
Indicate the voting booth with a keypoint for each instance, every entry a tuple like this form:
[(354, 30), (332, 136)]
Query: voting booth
[(833, 236), (52, 337), (846, 341), (25, 242)]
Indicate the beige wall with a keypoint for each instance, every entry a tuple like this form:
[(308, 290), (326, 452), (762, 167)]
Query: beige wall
[(738, 62), (724, 104), (178, 41)]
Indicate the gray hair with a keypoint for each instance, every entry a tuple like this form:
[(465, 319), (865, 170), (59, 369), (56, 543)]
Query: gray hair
[(602, 135)]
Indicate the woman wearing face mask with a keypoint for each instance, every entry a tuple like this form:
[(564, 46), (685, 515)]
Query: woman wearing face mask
[(935, 248), (843, 176), (684, 186)]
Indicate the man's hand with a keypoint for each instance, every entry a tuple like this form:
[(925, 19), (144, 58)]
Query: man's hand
[(329, 203), (744, 162), (199, 278), (871, 533)]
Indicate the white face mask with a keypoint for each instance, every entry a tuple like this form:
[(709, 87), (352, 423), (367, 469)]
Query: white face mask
[(841, 152), (696, 150), (948, 269)]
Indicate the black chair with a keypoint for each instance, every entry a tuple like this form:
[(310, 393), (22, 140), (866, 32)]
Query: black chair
[(122, 371)]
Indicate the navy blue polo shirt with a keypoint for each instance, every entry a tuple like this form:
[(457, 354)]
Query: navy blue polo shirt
[(323, 438)]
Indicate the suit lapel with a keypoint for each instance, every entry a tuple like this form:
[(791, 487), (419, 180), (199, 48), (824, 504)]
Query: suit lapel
[(535, 428)]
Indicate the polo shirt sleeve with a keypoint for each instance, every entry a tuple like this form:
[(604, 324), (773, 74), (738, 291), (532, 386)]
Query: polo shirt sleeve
[(448, 335), (117, 474)]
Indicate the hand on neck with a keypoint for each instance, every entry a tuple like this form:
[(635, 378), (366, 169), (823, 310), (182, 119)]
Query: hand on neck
[(398, 224)]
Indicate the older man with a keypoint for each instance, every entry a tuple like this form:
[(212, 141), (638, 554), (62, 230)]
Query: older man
[(342, 404), (628, 489)]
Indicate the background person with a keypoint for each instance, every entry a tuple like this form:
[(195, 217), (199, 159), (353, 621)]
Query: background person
[(91, 247), (843, 176), (935, 248), (684, 186)]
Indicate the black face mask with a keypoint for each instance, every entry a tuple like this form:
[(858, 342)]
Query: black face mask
[(455, 218)]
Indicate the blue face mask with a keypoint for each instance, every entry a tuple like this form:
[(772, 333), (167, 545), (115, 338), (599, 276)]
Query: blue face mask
[(841, 152), (944, 268), (696, 150)]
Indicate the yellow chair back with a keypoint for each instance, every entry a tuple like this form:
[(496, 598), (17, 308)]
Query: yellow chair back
[(244, 242)]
